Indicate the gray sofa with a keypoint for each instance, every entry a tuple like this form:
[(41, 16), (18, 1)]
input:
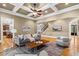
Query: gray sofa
[(63, 42), (21, 40)]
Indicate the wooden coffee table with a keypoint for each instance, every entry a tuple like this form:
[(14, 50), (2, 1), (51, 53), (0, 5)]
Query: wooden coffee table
[(36, 43), (36, 46)]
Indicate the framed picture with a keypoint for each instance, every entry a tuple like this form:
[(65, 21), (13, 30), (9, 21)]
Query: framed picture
[(26, 28), (57, 28)]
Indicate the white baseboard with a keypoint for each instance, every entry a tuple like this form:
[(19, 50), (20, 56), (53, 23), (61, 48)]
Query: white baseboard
[(49, 36), (53, 36)]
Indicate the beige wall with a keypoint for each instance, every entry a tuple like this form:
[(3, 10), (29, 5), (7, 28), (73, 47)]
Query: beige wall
[(19, 22), (65, 28)]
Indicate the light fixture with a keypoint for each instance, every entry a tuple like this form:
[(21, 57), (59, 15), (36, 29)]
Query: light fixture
[(4, 5), (34, 13), (66, 3), (46, 11)]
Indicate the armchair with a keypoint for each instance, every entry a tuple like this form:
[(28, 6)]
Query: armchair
[(21, 40), (63, 42)]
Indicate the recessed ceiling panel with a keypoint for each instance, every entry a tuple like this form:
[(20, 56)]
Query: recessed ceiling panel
[(48, 11), (42, 5), (63, 5), (7, 6), (22, 11), (36, 6), (26, 4)]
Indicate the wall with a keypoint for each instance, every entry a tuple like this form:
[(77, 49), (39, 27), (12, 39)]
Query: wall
[(19, 22), (65, 28)]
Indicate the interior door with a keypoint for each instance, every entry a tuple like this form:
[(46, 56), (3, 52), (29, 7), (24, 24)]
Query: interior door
[(74, 39), (74, 30), (7, 33)]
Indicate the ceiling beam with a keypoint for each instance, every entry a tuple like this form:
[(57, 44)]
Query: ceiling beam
[(30, 14), (52, 6), (16, 14), (27, 9), (17, 6), (44, 7), (42, 4), (60, 12)]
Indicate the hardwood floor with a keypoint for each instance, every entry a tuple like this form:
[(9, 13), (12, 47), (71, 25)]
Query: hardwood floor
[(7, 43), (74, 46), (1, 49), (49, 39), (65, 51)]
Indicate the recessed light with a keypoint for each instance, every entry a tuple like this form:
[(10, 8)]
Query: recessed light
[(46, 11), (66, 3), (4, 5)]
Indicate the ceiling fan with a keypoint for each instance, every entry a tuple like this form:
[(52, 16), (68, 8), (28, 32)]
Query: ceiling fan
[(36, 12)]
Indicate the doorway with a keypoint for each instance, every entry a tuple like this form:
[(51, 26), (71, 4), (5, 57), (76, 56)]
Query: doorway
[(74, 36), (7, 25)]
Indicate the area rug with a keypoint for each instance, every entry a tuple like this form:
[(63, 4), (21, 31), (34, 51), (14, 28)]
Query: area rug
[(15, 51), (53, 49), (20, 51)]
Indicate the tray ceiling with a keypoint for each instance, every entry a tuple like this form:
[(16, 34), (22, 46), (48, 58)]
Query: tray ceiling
[(27, 10)]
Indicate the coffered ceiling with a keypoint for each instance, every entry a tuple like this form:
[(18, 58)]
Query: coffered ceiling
[(43, 10)]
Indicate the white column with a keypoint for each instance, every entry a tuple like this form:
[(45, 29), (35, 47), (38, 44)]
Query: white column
[(1, 30)]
